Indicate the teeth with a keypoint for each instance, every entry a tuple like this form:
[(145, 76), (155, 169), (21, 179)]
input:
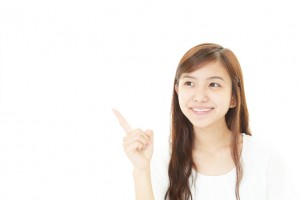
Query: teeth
[(201, 110)]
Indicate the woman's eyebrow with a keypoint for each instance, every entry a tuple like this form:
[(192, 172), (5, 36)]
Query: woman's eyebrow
[(215, 77), (188, 76), (209, 78)]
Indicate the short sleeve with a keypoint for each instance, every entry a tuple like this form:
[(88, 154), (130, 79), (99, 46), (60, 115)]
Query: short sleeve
[(279, 184), (159, 174)]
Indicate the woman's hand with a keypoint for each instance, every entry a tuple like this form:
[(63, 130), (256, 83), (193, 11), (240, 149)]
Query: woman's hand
[(138, 144)]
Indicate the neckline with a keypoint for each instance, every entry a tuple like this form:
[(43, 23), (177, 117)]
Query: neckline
[(231, 171)]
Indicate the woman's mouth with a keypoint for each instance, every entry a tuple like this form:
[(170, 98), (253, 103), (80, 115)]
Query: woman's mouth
[(201, 111)]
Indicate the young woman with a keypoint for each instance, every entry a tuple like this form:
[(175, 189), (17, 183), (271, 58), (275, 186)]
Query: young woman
[(212, 154)]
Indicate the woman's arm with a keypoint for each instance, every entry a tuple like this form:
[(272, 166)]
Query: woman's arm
[(138, 146), (143, 185)]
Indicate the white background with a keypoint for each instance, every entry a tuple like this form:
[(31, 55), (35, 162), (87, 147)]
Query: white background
[(64, 64)]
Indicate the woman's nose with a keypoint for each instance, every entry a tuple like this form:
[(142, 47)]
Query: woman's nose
[(200, 95)]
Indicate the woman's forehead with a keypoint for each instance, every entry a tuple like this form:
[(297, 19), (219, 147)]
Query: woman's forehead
[(212, 69)]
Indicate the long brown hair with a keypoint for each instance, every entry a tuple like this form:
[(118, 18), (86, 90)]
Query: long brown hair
[(182, 134)]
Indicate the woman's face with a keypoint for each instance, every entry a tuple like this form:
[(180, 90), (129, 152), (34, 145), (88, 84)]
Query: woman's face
[(205, 95)]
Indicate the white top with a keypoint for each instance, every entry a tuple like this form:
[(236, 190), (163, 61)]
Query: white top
[(264, 177)]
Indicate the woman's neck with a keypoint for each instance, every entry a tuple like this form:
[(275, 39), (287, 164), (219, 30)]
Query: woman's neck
[(211, 139)]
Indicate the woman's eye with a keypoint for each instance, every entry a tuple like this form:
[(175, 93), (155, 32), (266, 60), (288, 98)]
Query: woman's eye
[(188, 83), (214, 85)]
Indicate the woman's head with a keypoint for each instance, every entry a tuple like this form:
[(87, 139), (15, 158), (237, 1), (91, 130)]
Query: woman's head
[(199, 64), (206, 55)]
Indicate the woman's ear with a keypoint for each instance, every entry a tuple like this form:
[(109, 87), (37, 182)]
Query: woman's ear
[(232, 102), (176, 87)]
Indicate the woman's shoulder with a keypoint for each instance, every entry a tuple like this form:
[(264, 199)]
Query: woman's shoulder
[(159, 171), (253, 145), (260, 154), (264, 159)]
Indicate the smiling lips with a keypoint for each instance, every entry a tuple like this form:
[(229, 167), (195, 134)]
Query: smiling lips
[(201, 111)]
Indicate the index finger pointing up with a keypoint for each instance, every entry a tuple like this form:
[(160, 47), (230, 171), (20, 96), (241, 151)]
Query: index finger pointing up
[(127, 128)]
